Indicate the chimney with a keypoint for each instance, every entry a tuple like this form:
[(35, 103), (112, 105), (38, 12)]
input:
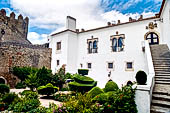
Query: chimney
[(130, 19), (77, 30), (71, 23), (82, 30), (118, 22), (141, 17), (109, 23), (156, 15)]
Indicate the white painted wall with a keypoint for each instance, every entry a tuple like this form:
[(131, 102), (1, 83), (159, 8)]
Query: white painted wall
[(74, 52), (59, 55), (134, 35), (165, 26)]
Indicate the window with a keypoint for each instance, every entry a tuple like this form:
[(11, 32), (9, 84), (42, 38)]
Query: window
[(117, 43), (110, 65), (129, 66), (152, 38), (114, 44), (58, 62), (58, 45), (89, 65), (92, 45)]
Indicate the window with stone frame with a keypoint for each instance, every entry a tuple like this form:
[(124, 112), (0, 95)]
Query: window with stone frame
[(129, 66), (110, 65), (92, 45), (117, 42), (58, 62), (58, 46), (89, 65)]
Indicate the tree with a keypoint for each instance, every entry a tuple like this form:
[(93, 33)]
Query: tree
[(31, 81)]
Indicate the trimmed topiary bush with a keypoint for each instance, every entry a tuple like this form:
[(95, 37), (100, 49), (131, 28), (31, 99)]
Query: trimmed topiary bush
[(83, 79), (111, 86), (141, 77), (95, 91), (4, 89), (48, 89), (82, 83), (83, 71)]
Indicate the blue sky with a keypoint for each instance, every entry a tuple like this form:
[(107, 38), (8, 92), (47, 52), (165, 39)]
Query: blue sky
[(49, 16)]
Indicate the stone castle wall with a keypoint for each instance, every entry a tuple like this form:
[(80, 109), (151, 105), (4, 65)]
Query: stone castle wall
[(12, 29), (16, 54), (16, 50)]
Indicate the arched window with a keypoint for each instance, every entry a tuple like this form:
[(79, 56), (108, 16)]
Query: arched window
[(152, 38), (120, 44), (114, 44), (95, 46), (90, 47)]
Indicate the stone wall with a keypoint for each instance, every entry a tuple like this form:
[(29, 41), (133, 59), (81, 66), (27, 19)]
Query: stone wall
[(12, 29), (17, 54)]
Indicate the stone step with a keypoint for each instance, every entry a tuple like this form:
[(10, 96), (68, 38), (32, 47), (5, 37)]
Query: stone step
[(160, 103), (162, 73), (161, 63), (161, 67), (157, 109), (161, 97), (162, 77), (162, 82)]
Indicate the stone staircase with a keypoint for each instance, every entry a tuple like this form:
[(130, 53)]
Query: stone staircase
[(161, 91)]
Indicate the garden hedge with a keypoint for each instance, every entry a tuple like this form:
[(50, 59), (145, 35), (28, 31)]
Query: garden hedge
[(4, 89), (95, 91), (83, 79), (82, 83), (110, 86), (48, 89)]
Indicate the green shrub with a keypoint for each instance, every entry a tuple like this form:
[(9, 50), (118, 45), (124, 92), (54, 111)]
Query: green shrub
[(44, 76), (20, 85), (83, 71), (40, 109), (4, 89), (29, 94), (83, 79), (110, 86), (28, 101), (95, 91), (31, 81), (101, 98), (23, 72), (141, 77), (8, 98), (48, 89), (75, 86)]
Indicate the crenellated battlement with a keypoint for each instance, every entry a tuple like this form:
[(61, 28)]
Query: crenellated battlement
[(12, 28)]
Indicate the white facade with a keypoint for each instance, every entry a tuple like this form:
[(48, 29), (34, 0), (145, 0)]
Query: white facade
[(74, 48)]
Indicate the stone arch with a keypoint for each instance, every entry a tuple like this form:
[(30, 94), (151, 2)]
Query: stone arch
[(3, 80)]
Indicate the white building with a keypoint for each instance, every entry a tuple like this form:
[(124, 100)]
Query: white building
[(115, 49)]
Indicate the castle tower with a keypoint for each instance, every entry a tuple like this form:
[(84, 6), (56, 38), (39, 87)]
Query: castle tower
[(12, 29)]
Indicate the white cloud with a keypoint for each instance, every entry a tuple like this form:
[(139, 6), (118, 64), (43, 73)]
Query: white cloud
[(35, 38), (51, 14)]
